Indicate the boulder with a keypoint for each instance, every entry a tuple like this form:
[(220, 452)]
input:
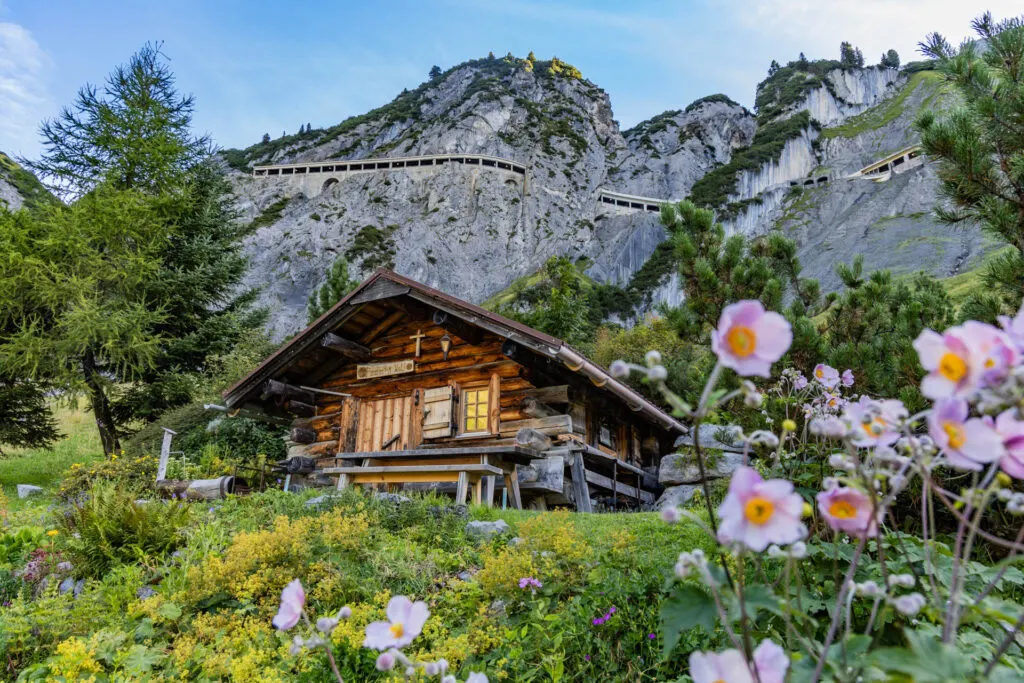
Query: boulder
[(393, 498), (681, 468), (676, 496), (485, 531), (715, 437), (26, 490), (325, 500), (145, 592), (66, 586)]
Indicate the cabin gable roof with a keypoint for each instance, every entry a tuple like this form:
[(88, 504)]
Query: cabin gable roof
[(305, 356)]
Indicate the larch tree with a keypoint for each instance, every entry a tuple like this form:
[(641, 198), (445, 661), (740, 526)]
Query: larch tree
[(145, 287), (979, 147)]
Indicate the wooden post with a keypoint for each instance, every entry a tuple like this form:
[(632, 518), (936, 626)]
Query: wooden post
[(478, 491), (462, 488), (345, 347), (165, 453), (512, 487), (579, 484), (303, 435), (489, 491), (342, 482)]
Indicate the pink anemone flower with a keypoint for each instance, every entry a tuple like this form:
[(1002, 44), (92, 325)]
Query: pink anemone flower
[(729, 666), (771, 662), (827, 375), (874, 423), (996, 352), (968, 443), (952, 362), (1011, 431), (293, 599), (749, 339), (1014, 327), (848, 509), (758, 513), (405, 622)]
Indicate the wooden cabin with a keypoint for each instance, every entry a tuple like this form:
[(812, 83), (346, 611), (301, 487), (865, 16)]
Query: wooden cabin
[(401, 385)]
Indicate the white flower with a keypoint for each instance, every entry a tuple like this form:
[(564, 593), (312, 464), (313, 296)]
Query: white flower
[(344, 613), (798, 550), (670, 515), (761, 437), (868, 589), (325, 625), (657, 373), (902, 580), (753, 400), (476, 678), (909, 605), (619, 369), (449, 679), (652, 358), (405, 621), (296, 646)]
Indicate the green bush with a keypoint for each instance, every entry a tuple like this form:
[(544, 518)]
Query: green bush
[(109, 527)]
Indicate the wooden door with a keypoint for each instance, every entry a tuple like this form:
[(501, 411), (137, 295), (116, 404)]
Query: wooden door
[(437, 412), (381, 420)]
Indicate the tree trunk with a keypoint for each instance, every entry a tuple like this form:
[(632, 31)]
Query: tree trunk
[(100, 405)]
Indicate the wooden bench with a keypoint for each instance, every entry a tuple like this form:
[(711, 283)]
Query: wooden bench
[(465, 465)]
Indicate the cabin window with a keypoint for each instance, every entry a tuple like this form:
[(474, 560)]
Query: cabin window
[(607, 435), (475, 404)]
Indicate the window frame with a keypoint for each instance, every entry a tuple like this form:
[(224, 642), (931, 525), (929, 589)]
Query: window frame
[(464, 406)]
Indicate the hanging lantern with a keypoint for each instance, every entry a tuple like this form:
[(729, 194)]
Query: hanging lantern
[(446, 345)]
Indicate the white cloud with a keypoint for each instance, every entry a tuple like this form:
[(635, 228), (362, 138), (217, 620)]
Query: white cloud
[(24, 98), (816, 27)]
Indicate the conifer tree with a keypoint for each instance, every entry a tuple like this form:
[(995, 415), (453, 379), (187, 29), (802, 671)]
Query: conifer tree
[(531, 58), (980, 147), (333, 290), (266, 138), (435, 73), (773, 68), (890, 60), (135, 283)]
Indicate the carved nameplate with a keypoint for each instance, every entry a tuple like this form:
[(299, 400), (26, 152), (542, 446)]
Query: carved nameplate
[(372, 370)]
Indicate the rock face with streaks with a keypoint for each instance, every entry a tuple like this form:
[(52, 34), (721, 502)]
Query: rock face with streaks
[(472, 230), (466, 229)]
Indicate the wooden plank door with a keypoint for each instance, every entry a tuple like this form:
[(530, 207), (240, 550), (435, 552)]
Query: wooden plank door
[(381, 420)]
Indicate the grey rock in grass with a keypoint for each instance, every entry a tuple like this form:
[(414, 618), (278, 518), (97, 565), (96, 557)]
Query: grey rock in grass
[(677, 496), (66, 586), (391, 498), (26, 490), (145, 592), (682, 468), (485, 531), (324, 500)]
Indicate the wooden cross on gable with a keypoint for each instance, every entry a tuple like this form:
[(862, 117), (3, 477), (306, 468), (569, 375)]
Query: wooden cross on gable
[(419, 336)]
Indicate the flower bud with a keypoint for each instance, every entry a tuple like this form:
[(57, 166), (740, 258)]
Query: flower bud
[(652, 358), (1003, 479), (619, 369), (670, 515), (868, 589), (807, 510), (325, 625), (753, 400), (788, 425), (449, 679), (344, 613), (798, 550), (909, 605), (431, 669), (902, 580), (296, 646), (410, 671), (657, 373), (385, 661)]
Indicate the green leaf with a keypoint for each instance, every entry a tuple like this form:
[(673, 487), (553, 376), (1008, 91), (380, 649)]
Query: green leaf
[(685, 608), (169, 611)]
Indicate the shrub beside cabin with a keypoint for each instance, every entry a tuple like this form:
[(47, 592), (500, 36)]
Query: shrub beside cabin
[(402, 385)]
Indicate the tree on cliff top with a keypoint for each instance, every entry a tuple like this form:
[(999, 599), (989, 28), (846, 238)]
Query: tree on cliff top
[(334, 288)]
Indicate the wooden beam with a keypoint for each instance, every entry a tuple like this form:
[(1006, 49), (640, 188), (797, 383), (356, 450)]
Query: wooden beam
[(509, 453), (535, 408), (555, 424), (381, 327), (533, 439), (417, 469), (617, 486), (273, 387), (345, 347), (301, 409), (460, 328), (381, 289), (303, 435), (581, 492), (557, 394)]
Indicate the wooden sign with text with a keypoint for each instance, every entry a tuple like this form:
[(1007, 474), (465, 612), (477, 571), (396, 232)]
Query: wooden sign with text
[(372, 370)]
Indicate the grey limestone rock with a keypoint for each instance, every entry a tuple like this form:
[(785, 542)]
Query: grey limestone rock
[(485, 531), (682, 468), (26, 490), (676, 496)]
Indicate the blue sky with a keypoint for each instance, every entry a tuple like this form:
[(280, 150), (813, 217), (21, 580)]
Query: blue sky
[(260, 66)]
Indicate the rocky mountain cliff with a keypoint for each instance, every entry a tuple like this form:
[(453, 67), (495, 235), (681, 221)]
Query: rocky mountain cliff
[(471, 230)]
